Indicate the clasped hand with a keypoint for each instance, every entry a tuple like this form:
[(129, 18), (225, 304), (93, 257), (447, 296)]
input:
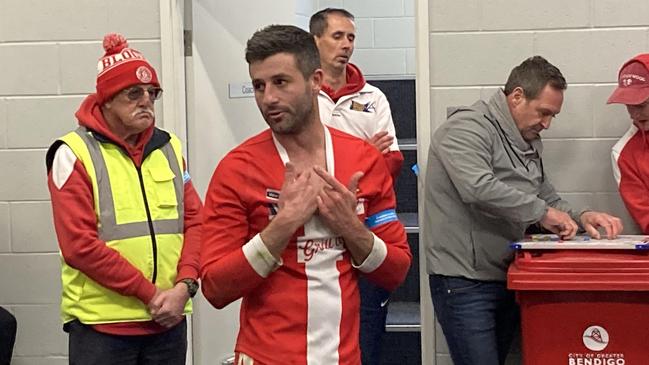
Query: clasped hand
[(315, 191), (167, 306)]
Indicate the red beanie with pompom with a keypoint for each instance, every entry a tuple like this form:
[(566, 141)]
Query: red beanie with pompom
[(121, 67)]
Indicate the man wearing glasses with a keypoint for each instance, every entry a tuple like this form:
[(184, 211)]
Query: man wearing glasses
[(127, 218)]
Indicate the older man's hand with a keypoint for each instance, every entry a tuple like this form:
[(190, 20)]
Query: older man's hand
[(560, 223), (591, 221)]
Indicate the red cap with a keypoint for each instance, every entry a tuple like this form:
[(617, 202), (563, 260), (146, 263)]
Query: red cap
[(121, 67), (633, 82)]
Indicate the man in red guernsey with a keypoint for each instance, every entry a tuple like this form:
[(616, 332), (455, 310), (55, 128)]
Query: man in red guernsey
[(127, 219), (631, 153), (294, 215), (350, 104)]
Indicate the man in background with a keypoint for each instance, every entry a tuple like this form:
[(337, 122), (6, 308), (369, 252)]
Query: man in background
[(631, 153), (346, 101), (485, 185), (127, 219), (352, 105)]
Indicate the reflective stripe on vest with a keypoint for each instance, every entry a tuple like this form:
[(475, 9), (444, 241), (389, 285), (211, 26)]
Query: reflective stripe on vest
[(109, 229)]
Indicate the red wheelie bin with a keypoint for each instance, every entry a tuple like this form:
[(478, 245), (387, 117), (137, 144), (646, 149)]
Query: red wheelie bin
[(583, 302)]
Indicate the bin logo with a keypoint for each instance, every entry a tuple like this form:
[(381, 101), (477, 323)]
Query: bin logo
[(595, 338)]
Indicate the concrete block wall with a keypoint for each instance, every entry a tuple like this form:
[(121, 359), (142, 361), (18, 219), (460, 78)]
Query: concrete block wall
[(385, 39), (48, 63), (474, 44)]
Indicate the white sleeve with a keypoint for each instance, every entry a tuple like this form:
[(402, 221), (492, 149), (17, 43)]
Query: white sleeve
[(384, 120), (375, 258), (63, 165), (617, 150), (259, 257)]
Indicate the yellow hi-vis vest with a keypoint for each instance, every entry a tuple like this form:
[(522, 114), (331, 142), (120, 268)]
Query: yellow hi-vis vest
[(139, 213)]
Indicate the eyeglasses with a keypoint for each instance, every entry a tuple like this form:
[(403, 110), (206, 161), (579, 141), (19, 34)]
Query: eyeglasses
[(135, 93)]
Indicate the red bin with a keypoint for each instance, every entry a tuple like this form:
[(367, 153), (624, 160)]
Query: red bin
[(583, 303)]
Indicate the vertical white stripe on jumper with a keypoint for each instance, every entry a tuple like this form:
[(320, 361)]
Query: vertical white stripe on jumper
[(319, 249)]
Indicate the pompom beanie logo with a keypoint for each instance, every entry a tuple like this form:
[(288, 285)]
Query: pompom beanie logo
[(121, 67)]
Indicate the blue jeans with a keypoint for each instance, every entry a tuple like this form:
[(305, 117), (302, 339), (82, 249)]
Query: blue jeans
[(87, 346), (374, 310), (479, 318)]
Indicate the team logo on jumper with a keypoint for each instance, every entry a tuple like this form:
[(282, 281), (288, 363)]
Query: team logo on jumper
[(595, 338), (308, 249), (360, 107), (143, 74), (273, 196)]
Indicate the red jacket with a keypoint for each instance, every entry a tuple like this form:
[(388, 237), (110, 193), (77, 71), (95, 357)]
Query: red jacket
[(631, 170)]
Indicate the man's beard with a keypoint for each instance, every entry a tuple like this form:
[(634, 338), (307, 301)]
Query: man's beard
[(294, 122)]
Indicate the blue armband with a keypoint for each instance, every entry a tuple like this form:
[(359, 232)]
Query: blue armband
[(385, 216), (186, 177)]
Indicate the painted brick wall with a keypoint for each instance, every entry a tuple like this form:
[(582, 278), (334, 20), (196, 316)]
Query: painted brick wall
[(48, 58), (474, 44), (385, 40)]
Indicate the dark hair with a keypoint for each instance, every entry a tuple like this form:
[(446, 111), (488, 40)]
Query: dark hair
[(290, 39), (318, 21), (532, 75)]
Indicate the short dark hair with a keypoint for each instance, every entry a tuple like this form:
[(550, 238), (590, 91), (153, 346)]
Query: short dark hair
[(290, 39), (532, 75), (318, 21)]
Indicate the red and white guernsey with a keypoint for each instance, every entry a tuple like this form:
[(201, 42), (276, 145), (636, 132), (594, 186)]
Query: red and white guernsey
[(304, 309), (631, 171)]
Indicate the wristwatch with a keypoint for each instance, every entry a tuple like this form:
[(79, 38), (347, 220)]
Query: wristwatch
[(192, 286)]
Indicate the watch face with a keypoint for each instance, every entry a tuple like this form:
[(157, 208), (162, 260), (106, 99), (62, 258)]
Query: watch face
[(192, 286)]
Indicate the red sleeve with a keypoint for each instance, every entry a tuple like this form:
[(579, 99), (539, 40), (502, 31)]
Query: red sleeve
[(394, 161), (634, 192), (392, 272), (189, 263), (226, 274), (76, 229)]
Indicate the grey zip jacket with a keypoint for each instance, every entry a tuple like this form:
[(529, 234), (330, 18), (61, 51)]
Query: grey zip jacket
[(484, 186)]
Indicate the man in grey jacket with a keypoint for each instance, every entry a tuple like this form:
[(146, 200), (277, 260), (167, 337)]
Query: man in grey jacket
[(485, 185)]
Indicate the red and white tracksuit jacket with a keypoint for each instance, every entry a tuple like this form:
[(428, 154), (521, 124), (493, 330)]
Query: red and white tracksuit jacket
[(631, 170), (361, 110)]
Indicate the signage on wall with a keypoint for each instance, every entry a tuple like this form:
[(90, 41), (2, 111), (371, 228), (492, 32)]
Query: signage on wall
[(241, 90)]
